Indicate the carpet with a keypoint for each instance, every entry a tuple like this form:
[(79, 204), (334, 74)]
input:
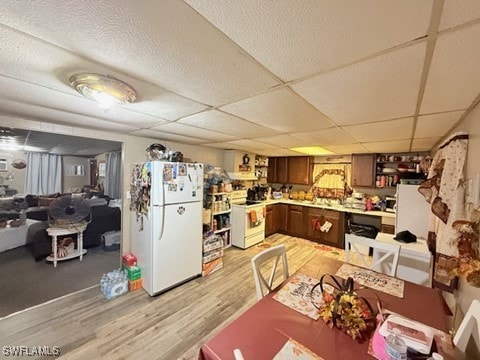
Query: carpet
[(25, 283)]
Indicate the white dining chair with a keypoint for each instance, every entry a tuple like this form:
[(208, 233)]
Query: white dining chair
[(385, 256), (273, 254), (470, 326)]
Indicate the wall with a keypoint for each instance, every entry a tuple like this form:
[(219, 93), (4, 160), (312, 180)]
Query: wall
[(69, 182), (18, 182)]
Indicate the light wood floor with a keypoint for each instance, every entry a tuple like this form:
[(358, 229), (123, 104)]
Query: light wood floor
[(136, 326)]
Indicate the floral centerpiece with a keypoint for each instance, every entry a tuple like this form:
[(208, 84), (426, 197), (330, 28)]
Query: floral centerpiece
[(344, 309)]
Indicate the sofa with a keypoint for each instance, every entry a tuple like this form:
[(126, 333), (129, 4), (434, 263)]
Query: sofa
[(103, 219)]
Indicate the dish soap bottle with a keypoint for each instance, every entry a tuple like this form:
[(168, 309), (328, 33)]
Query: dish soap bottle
[(396, 347)]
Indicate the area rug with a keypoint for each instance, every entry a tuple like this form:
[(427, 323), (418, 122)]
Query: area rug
[(291, 242)]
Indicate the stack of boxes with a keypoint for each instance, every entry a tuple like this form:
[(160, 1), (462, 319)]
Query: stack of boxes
[(134, 273)]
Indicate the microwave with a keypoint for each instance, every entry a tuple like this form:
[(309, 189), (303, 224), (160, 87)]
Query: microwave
[(390, 204)]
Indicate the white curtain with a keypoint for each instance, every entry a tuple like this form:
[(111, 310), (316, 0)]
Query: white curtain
[(44, 174), (331, 180), (113, 167)]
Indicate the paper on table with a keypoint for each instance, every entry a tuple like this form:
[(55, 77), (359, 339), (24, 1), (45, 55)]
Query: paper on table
[(296, 295), (295, 350), (372, 279)]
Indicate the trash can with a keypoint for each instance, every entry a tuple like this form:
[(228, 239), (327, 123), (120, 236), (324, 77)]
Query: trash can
[(368, 231)]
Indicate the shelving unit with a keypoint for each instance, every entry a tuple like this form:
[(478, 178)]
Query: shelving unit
[(392, 168), (217, 230), (261, 167)]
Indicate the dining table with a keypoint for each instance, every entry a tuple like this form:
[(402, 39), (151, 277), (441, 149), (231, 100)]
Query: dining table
[(264, 328)]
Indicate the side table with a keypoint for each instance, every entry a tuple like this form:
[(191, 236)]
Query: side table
[(55, 231)]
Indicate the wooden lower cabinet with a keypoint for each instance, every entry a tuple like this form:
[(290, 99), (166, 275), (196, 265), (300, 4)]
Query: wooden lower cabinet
[(296, 221), (301, 221), (270, 223), (281, 217), (317, 218)]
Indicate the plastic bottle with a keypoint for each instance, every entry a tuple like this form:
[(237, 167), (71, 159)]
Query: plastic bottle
[(396, 347), (214, 225)]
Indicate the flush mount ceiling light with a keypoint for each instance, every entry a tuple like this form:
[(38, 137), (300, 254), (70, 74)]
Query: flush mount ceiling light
[(312, 150), (105, 90)]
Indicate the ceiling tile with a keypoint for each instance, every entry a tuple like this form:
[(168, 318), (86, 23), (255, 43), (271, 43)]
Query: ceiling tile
[(457, 12), (424, 144), (382, 88), (386, 130), (149, 133), (388, 146), (453, 78), (227, 124), (60, 117), (284, 140), (282, 110), (436, 125), (25, 94), (278, 152), (332, 136), (347, 149), (196, 61), (186, 130), (247, 144), (295, 38)]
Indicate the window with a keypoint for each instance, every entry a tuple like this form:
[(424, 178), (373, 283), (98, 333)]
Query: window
[(75, 170)]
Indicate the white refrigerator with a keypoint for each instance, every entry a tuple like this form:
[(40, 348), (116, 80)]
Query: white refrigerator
[(412, 212), (167, 239)]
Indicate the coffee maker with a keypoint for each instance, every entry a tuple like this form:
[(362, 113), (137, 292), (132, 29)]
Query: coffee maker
[(257, 193)]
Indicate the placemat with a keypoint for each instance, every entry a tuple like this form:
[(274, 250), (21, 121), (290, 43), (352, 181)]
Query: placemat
[(294, 350), (372, 279), (296, 295)]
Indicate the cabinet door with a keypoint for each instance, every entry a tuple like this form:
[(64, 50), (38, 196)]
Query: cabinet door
[(296, 226), (272, 170), (270, 220), (281, 170), (335, 235), (363, 170), (300, 169), (281, 217)]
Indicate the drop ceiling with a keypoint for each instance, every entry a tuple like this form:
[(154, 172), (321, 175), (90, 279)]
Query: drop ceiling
[(36, 141), (352, 77)]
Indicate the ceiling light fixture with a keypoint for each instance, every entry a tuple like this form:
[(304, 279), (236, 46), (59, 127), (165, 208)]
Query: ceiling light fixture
[(312, 150), (105, 90)]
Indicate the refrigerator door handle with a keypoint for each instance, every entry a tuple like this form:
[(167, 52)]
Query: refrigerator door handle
[(162, 220)]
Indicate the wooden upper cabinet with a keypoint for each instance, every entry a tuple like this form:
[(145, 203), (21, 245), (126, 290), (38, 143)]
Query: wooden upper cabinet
[(272, 170), (281, 170), (300, 170), (363, 170)]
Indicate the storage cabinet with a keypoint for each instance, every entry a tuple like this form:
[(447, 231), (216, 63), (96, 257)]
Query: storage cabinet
[(281, 217), (296, 221), (363, 170), (270, 223), (300, 170), (290, 170), (276, 219), (319, 230)]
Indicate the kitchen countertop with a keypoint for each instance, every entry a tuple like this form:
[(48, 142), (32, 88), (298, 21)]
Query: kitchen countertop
[(331, 207)]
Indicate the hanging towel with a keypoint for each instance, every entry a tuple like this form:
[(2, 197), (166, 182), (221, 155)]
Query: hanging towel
[(253, 216)]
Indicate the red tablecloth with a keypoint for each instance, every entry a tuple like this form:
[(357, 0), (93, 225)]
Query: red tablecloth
[(263, 329)]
